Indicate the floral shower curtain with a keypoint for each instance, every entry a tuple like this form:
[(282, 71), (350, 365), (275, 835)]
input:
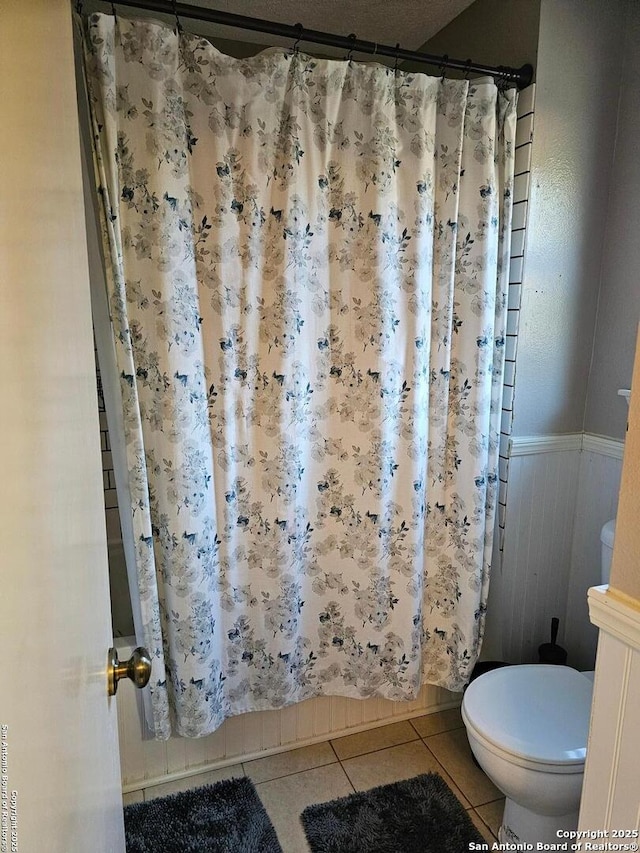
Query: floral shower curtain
[(307, 265)]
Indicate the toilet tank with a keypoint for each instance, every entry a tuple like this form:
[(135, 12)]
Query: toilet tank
[(606, 538)]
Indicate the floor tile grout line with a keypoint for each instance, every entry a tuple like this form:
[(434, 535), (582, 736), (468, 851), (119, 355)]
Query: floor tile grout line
[(484, 821), (341, 762), (333, 749), (338, 760), (422, 739), (493, 834), (450, 775), (441, 731), (413, 727), (330, 741), (294, 773), (474, 805), (379, 749), (488, 803), (344, 770)]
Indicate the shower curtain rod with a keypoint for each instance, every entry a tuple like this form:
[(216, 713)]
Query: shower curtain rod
[(522, 77)]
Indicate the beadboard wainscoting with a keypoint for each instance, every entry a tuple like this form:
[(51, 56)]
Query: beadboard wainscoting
[(562, 489), (611, 790), (530, 582), (253, 735), (597, 503)]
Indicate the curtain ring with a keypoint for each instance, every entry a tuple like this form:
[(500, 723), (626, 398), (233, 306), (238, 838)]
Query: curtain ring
[(353, 38), (502, 82), (178, 24), (443, 66), (467, 69), (295, 50), (395, 64), (79, 7)]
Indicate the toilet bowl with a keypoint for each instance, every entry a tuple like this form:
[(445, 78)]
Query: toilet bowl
[(527, 727)]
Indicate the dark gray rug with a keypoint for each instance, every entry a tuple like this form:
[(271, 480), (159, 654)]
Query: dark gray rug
[(419, 815), (227, 817)]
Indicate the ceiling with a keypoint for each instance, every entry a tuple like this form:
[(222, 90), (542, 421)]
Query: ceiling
[(409, 22)]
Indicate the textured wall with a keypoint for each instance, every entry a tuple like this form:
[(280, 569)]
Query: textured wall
[(619, 303), (578, 74)]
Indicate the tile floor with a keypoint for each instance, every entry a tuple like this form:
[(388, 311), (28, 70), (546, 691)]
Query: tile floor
[(290, 781)]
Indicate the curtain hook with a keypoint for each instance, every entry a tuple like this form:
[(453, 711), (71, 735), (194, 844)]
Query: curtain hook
[(295, 50), (443, 66), (79, 7), (175, 12), (395, 64), (353, 38), (467, 69)]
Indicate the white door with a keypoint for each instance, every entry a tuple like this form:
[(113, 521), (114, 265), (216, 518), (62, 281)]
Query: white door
[(60, 774)]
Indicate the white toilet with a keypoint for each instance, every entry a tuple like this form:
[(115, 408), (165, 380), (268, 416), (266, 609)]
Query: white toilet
[(527, 727)]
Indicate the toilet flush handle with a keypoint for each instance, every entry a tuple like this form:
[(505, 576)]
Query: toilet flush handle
[(137, 668)]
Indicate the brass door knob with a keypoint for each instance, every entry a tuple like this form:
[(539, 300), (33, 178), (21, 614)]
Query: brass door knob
[(137, 668)]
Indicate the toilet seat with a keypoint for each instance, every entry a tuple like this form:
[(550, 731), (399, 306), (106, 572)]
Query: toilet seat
[(519, 760), (536, 716)]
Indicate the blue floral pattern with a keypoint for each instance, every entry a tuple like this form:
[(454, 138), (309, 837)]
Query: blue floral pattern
[(307, 272)]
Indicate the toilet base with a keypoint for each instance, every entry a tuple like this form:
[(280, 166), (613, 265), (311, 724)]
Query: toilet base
[(520, 824)]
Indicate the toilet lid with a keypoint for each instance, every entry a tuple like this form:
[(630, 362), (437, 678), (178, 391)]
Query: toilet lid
[(537, 712)]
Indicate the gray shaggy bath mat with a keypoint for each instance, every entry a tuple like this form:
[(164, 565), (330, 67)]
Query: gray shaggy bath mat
[(227, 817), (419, 815)]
